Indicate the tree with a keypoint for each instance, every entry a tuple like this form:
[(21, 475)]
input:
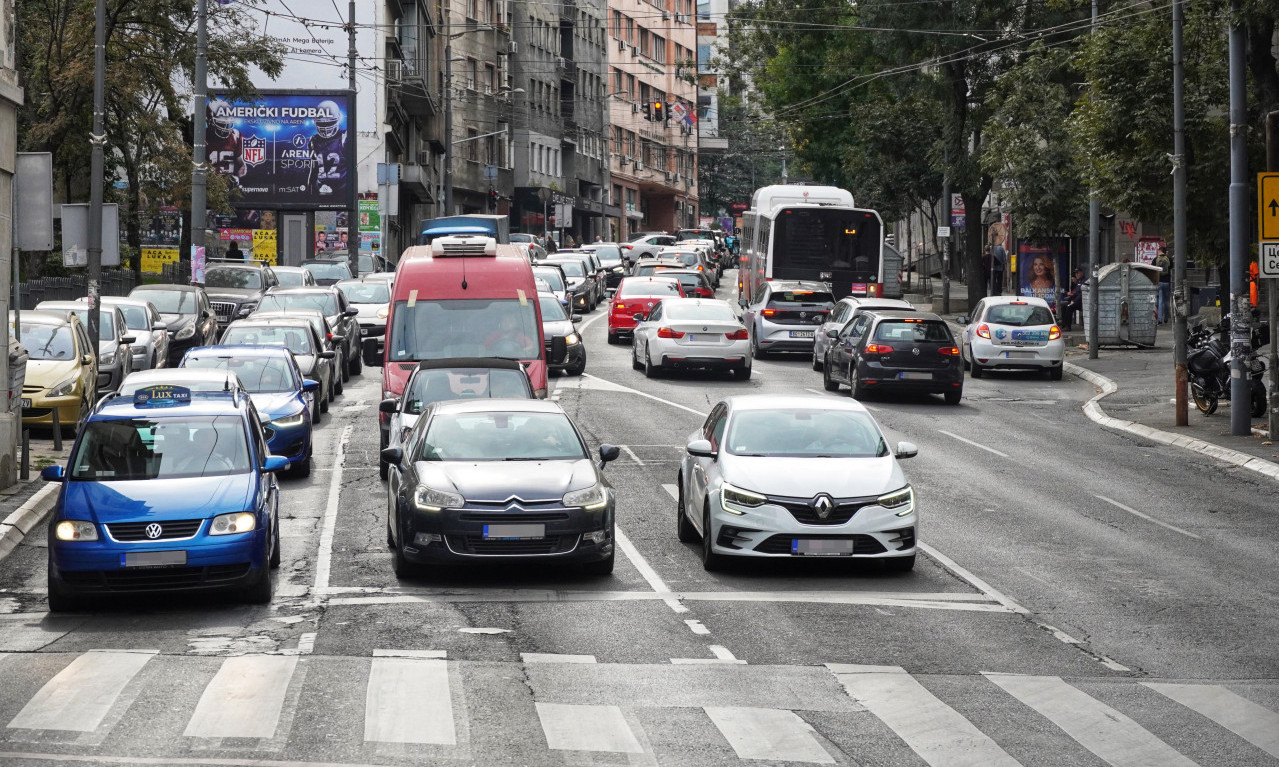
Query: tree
[(752, 160)]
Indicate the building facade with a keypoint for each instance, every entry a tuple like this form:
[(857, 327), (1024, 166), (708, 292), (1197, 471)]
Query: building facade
[(653, 111), (10, 101), (712, 18)]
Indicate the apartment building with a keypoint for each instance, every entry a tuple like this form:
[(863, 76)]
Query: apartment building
[(711, 30), (653, 111)]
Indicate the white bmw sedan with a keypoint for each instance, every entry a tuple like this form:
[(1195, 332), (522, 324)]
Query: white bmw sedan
[(776, 476), (684, 333)]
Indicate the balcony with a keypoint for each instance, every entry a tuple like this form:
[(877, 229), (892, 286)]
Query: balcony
[(409, 86), (418, 180)]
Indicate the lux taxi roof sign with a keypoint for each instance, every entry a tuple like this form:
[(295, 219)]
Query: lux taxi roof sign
[(162, 395)]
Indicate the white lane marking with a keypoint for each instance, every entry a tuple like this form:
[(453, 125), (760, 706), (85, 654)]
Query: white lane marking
[(1103, 730), (485, 630), (244, 698), (433, 654), (972, 580), (672, 491), (1255, 724), (551, 657), (696, 627), (408, 700), (572, 727), (974, 444), (629, 390), (631, 453), (1147, 517), (721, 652), (587, 323), (768, 733), (648, 573), (324, 561), (935, 731), (706, 661), (79, 697)]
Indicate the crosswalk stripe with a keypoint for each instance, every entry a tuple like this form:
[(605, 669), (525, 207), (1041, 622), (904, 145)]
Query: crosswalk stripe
[(768, 733), (1097, 727), (935, 731), (1256, 724), (573, 727), (79, 697), (409, 701), (244, 698)]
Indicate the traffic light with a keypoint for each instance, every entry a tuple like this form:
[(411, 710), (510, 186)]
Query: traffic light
[(648, 110), (659, 111), (492, 200)]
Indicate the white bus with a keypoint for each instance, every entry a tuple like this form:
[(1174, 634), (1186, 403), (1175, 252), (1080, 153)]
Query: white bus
[(794, 232)]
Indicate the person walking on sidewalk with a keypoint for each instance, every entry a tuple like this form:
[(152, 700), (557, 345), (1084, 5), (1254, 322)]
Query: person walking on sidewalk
[(998, 262), (1074, 301), (1165, 282)]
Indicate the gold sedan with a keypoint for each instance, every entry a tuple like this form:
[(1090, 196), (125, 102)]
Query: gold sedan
[(62, 371)]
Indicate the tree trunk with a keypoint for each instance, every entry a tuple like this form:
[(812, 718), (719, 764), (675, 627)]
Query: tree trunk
[(973, 241)]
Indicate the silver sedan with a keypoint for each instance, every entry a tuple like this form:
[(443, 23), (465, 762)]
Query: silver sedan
[(684, 333)]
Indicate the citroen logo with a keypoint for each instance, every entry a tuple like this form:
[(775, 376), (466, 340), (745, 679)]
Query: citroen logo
[(915, 351), (153, 530), (823, 505)]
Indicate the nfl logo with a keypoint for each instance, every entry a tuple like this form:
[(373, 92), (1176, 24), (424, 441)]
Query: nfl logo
[(254, 150)]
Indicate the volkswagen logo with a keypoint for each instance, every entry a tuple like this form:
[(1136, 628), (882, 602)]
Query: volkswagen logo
[(803, 315), (915, 351), (154, 531), (823, 505)]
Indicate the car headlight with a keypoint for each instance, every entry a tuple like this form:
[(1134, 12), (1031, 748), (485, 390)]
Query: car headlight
[(430, 499), (382, 313), (592, 498), (731, 498), (902, 500), (76, 530), (618, 270), (247, 309), (572, 339), (64, 388), (288, 421), (235, 522), (184, 332), (106, 359)]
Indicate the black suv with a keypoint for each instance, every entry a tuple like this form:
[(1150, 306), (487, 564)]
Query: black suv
[(336, 309), (235, 288)]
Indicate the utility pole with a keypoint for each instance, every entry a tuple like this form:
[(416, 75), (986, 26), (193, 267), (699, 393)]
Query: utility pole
[(1179, 303), (1272, 286), (97, 138), (352, 184), (1094, 248), (200, 153), (945, 248), (1240, 311)]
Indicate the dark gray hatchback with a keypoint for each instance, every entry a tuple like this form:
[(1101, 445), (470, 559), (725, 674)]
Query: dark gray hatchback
[(895, 351)]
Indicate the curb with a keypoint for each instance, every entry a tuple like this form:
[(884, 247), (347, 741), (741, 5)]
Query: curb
[(16, 526), (1092, 409)]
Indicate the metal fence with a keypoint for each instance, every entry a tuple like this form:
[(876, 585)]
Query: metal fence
[(115, 282)]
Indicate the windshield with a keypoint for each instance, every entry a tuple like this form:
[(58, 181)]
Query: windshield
[(572, 268), (498, 327), (799, 296), (290, 279), (690, 282), (259, 375), (631, 288), (501, 437), (431, 386), (106, 322), (695, 234), (325, 301), (814, 239), (694, 311), (552, 309), (48, 342), (170, 301), (553, 278), (324, 270), (609, 255), (135, 317), (366, 292), (222, 277), (366, 264), (525, 238), (1019, 315), (902, 330), (296, 339), (805, 433), (164, 448)]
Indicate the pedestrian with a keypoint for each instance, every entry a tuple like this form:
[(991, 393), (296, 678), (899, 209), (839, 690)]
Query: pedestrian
[(985, 269), (1165, 282), (998, 262), (1074, 301), (598, 238), (234, 252)]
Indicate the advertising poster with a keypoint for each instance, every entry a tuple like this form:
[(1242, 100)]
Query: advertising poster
[(286, 150), (154, 259), (197, 264), (1043, 270), (1147, 249), (265, 246)]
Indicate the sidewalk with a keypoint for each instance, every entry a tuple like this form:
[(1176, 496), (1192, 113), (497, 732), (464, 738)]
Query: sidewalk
[(24, 504)]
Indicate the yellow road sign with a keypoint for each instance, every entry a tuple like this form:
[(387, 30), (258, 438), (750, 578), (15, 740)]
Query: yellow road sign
[(1268, 206)]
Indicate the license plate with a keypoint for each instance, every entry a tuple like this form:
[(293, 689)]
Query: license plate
[(514, 532), (1020, 355), (26, 402), (153, 559), (909, 376), (704, 338), (801, 334), (821, 547)]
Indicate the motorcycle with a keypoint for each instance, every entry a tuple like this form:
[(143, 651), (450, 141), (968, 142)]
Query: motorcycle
[(1208, 361)]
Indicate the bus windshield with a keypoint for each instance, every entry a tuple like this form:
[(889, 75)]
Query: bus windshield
[(474, 327), (808, 241)]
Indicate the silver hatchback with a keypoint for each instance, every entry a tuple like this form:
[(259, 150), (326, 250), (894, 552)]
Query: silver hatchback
[(844, 312)]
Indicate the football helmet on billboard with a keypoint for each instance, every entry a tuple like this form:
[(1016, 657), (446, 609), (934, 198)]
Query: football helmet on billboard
[(219, 117), (327, 124)]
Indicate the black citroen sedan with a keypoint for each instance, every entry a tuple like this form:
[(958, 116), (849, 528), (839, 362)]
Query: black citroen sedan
[(894, 351), (498, 480)]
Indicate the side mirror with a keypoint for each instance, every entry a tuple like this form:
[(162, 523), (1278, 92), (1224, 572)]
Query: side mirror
[(575, 318), (907, 450), (128, 339), (160, 327), (832, 333), (638, 316), (56, 473), (388, 406), (310, 385), (742, 303), (275, 463), (337, 338), (86, 359), (701, 448), (609, 453), (351, 313), (392, 455), (328, 355), (962, 319)]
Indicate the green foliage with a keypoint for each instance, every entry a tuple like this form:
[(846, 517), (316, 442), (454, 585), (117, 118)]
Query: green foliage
[(751, 160)]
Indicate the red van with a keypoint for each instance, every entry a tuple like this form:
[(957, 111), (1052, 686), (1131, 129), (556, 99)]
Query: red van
[(462, 296)]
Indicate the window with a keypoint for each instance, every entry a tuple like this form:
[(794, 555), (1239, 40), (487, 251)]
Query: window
[(645, 42), (471, 140), (703, 58), (490, 78), (659, 49)]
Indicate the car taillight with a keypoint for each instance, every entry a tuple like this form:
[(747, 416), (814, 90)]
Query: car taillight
[(878, 349), (983, 331), (668, 333), (769, 312), (704, 293), (1054, 333), (619, 306), (949, 351), (738, 335)]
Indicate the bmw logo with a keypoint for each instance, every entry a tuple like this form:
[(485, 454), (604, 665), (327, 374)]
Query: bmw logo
[(154, 531)]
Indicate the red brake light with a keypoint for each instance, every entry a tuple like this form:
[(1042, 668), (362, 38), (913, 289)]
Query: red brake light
[(1054, 333), (619, 306), (668, 333), (983, 331), (949, 351), (704, 293), (738, 335), (769, 312), (878, 349)]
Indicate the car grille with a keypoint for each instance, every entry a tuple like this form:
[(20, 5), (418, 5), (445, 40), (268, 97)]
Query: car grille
[(157, 578), (781, 544), (804, 513), (550, 355), (475, 544), (169, 530), (224, 309), (32, 389), (514, 517)]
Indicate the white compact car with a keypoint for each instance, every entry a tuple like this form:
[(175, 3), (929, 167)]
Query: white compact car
[(684, 333), (1013, 332), (786, 476)]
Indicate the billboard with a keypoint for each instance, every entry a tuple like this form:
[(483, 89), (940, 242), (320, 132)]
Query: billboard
[(287, 150)]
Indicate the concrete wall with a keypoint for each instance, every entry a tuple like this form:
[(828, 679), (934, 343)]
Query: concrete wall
[(10, 100)]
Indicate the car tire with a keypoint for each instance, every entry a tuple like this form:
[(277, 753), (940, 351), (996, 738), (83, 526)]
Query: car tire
[(855, 389), (344, 363), (60, 601), (817, 362), (964, 358), (603, 566), (710, 560), (302, 468), (337, 387), (612, 338), (743, 373), (276, 554), (401, 565), (900, 564), (757, 352), (684, 529), (976, 369), (635, 361), (577, 369), (828, 383), (953, 397), (357, 365), (390, 537), (650, 370), (1054, 373), (261, 590)]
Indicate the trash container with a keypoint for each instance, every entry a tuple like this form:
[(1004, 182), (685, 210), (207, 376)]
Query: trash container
[(892, 272), (1128, 306), (17, 375)]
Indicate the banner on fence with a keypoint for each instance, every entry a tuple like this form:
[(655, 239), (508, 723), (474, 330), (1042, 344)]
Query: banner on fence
[(155, 259)]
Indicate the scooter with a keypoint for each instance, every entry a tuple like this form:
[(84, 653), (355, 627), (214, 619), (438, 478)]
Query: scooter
[(1208, 361)]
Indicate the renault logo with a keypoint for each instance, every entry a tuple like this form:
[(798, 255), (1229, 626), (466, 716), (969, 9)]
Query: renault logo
[(153, 530), (823, 505)]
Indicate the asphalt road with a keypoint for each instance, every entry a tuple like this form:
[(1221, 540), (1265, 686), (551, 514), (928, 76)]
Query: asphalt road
[(1085, 598)]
